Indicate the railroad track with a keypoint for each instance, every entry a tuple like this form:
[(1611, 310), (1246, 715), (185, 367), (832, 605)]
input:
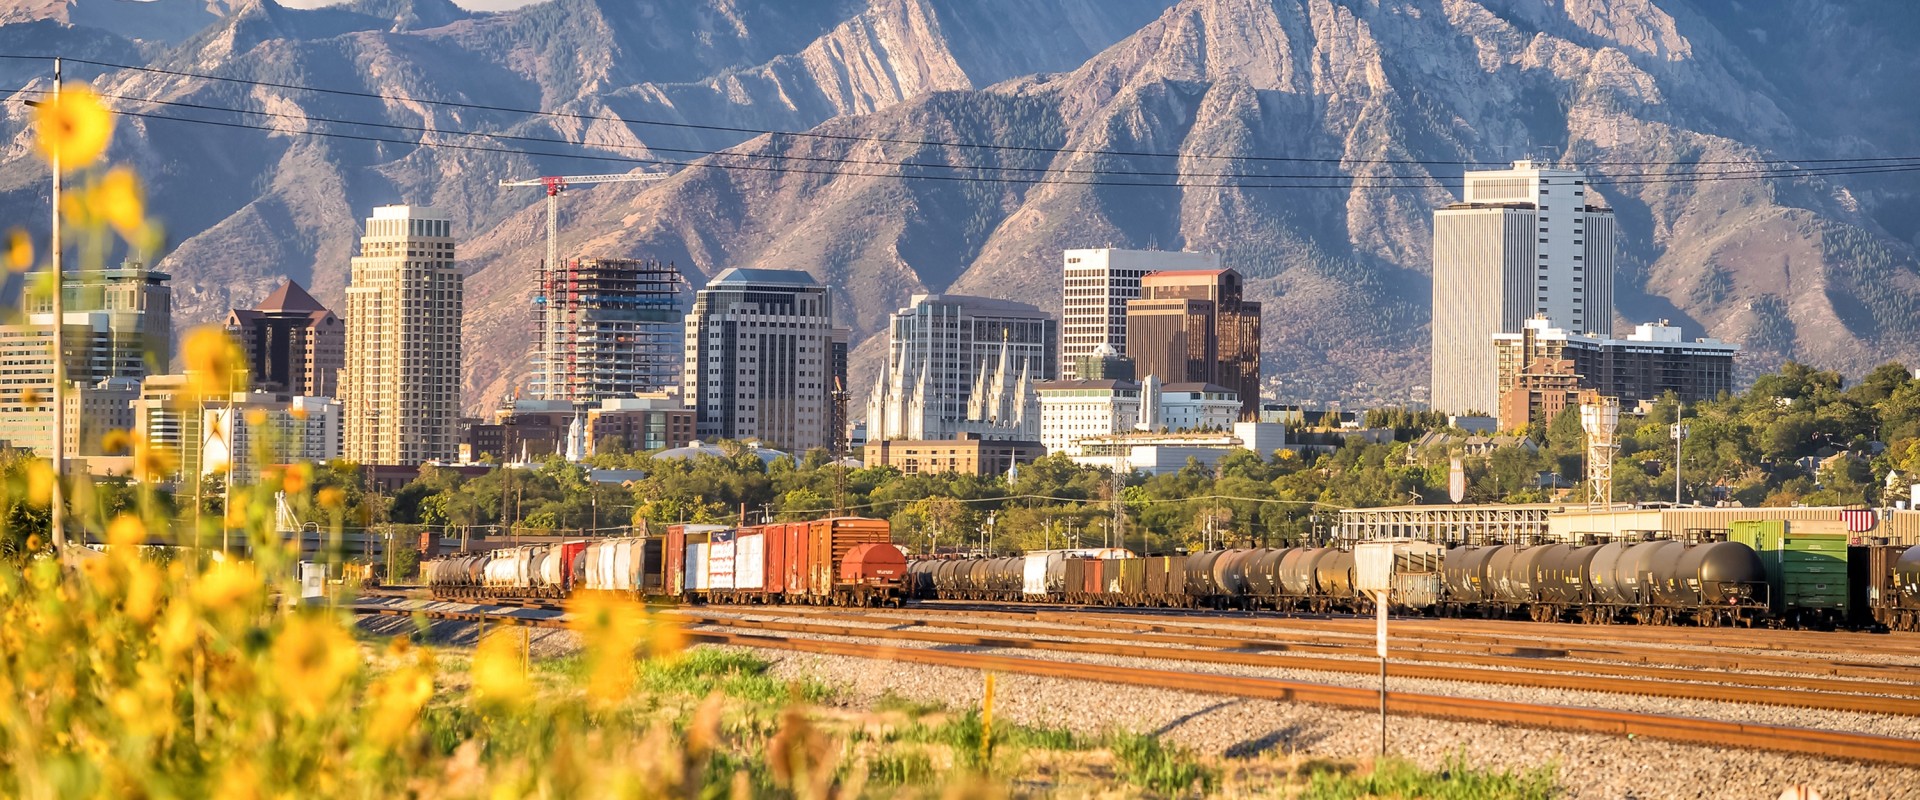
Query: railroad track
[(1836, 642), (1564, 676), (1413, 642), (1350, 658), (1319, 653), (1710, 733), (1456, 647)]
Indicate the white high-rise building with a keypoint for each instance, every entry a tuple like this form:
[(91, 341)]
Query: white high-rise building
[(289, 429), (958, 364), (1099, 282), (765, 362), (1524, 242), (400, 393)]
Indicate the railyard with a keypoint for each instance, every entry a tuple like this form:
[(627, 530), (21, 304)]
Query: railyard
[(1836, 707)]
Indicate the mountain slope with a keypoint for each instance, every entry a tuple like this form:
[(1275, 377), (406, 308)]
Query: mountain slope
[(1820, 268)]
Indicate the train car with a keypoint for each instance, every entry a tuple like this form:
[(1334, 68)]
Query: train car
[(633, 566), (1806, 570), (1885, 581), (841, 569)]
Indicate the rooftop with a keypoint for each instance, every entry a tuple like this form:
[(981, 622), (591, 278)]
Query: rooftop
[(974, 302), (1211, 388), (1185, 273), (290, 297), (1085, 384), (410, 212), (740, 276)]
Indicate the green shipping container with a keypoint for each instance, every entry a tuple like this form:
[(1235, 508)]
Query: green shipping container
[(1804, 570)]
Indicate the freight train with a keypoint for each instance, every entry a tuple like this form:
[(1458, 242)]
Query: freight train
[(837, 561), (1765, 576)]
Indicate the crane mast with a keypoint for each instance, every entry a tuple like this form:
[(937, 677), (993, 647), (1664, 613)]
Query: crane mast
[(555, 184)]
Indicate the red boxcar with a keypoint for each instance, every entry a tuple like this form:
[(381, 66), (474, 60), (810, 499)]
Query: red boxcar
[(570, 563)]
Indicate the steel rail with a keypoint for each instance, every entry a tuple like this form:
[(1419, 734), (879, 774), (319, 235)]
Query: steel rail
[(1538, 662), (1700, 732)]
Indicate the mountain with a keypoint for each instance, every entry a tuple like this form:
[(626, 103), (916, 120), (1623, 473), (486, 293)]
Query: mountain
[(151, 20), (1821, 267)]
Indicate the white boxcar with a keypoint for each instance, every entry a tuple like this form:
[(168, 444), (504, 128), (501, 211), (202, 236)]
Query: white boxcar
[(1034, 575), (750, 563), (697, 577), (720, 561), (620, 574)]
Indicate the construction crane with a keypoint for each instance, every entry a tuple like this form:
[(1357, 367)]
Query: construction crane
[(554, 184)]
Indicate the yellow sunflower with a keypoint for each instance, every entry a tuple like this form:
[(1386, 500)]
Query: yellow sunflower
[(74, 127), (313, 657), (117, 199), (19, 250)]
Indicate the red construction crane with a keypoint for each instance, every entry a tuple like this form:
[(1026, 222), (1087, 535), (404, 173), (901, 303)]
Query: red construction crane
[(554, 184)]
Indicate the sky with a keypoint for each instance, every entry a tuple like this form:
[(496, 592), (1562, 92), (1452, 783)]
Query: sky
[(476, 5)]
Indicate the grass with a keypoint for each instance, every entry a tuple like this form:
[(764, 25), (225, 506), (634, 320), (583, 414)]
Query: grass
[(1396, 778), (1147, 762)]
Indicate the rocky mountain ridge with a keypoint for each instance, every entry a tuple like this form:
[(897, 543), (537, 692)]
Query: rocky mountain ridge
[(1820, 268)]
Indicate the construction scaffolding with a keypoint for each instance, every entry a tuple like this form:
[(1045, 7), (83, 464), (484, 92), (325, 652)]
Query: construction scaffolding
[(606, 328)]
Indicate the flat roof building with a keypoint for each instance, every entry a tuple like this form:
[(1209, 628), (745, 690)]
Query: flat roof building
[(765, 361), (967, 454), (1098, 284), (1539, 366), (1524, 242), (1193, 326)]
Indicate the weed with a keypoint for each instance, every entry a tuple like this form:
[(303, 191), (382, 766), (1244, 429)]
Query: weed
[(1148, 762), (1455, 781)]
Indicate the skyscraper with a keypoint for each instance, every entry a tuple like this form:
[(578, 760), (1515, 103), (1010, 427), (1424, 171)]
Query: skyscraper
[(401, 389), (615, 329), (958, 364), (1099, 283), (1192, 326), (294, 345), (764, 360), (119, 324), (1523, 242)]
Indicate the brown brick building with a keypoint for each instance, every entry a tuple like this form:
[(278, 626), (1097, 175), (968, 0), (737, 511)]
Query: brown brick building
[(1192, 326)]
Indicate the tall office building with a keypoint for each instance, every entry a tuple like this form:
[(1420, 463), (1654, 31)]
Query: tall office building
[(118, 324), (764, 360), (294, 345), (613, 325), (1524, 242), (401, 389), (1099, 283), (958, 364), (1192, 326)]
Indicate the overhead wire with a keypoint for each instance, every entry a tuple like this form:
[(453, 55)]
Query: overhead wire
[(816, 134), (1331, 182), (1417, 181), (1750, 168)]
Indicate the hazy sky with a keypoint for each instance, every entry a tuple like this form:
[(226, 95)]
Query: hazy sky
[(477, 5)]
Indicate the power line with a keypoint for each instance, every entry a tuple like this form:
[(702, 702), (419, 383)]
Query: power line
[(899, 140), (1346, 183), (1416, 181)]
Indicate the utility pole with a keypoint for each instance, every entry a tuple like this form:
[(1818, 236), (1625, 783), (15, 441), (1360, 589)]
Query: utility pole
[(1680, 430), (59, 358)]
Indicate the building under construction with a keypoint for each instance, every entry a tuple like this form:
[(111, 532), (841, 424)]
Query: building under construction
[(606, 328)]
